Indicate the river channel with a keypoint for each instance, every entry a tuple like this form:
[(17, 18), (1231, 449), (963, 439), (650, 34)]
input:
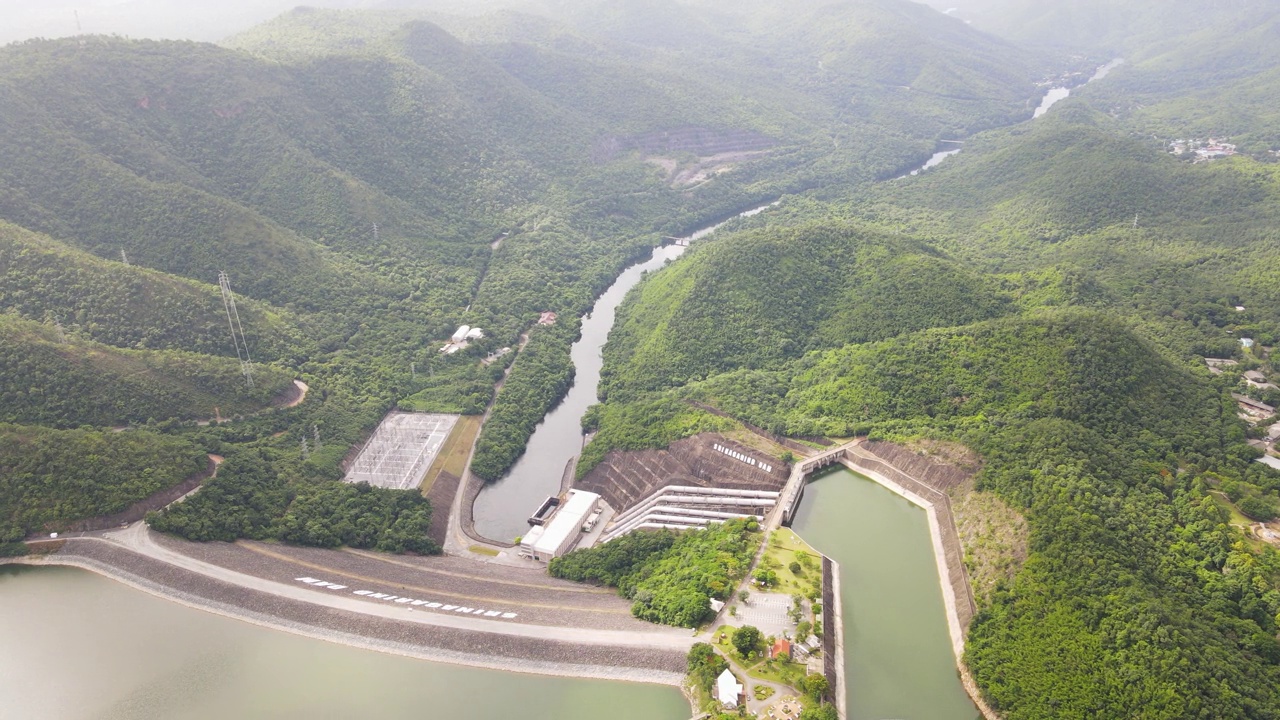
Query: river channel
[(1051, 98), (502, 507), (76, 646)]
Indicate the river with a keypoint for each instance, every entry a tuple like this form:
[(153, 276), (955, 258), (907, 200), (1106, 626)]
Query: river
[(1051, 98), (1058, 94), (503, 506), (76, 646)]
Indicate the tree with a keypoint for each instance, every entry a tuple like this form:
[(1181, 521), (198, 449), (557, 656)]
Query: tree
[(705, 665), (767, 578), (797, 608), (1257, 508), (795, 568), (745, 639), (814, 685), (803, 630), (823, 712), (743, 594)]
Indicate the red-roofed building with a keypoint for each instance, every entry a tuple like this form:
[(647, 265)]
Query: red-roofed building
[(780, 647)]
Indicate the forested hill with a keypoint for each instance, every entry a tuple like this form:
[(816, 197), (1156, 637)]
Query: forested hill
[(370, 181), (768, 296), (50, 378), (1138, 600)]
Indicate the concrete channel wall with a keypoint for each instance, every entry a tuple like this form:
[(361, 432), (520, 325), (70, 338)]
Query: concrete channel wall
[(925, 487), (833, 635)]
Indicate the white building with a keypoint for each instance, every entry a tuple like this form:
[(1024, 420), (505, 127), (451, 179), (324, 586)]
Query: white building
[(461, 333), (474, 334), (728, 689), (559, 534)]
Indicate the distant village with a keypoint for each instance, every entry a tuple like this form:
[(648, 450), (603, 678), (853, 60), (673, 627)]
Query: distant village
[(1202, 149), (1255, 388)]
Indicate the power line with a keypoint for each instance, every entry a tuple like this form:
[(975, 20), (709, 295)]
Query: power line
[(237, 330)]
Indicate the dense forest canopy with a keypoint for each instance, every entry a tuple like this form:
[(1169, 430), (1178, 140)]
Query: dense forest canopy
[(49, 477), (669, 577)]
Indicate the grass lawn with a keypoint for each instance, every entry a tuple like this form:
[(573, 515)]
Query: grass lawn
[(782, 673), (781, 552), (759, 668), (452, 457), (1224, 502)]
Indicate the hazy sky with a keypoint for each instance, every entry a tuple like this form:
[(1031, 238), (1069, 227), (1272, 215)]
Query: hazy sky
[(209, 20)]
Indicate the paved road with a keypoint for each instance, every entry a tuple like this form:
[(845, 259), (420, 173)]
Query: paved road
[(137, 538)]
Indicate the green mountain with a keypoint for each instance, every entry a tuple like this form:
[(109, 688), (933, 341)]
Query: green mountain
[(46, 483), (128, 306), (1111, 447), (369, 181), (47, 378), (766, 296)]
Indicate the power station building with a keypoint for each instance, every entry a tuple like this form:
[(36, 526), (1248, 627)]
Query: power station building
[(561, 532)]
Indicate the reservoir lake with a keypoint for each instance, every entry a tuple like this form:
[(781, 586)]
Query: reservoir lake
[(77, 646)]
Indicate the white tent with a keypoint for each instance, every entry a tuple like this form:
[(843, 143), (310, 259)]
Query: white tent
[(728, 689)]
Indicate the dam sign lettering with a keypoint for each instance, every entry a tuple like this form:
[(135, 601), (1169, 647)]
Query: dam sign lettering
[(411, 602)]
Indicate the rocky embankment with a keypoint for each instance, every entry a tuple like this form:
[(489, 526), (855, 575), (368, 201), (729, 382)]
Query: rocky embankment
[(581, 635)]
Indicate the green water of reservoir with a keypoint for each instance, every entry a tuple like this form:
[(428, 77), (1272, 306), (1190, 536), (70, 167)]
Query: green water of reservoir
[(75, 646), (898, 659)]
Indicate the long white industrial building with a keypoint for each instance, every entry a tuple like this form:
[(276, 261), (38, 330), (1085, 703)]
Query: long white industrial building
[(559, 535)]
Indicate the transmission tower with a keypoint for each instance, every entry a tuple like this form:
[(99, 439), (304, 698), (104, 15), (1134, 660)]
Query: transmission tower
[(237, 330), (315, 429), (375, 232), (306, 453), (123, 257)]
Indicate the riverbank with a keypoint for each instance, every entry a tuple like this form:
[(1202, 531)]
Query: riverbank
[(608, 645)]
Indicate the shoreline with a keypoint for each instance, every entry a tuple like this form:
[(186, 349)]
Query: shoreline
[(837, 618), (402, 649)]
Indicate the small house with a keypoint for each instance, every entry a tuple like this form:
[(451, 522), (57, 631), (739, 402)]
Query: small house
[(728, 689), (781, 646)]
